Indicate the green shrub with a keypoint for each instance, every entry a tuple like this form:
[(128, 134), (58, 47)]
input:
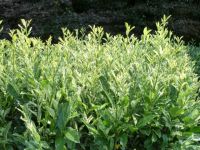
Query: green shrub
[(97, 91), (194, 52)]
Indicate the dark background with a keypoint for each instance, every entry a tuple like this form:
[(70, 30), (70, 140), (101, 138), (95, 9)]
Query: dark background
[(49, 16)]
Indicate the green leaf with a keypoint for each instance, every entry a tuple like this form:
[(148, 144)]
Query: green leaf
[(194, 114), (63, 115), (158, 133), (12, 91), (191, 117), (145, 120), (107, 92), (195, 129), (123, 141), (92, 129), (128, 28), (176, 111), (51, 112), (154, 138), (23, 22), (146, 131), (132, 128), (72, 135), (59, 143), (146, 31), (173, 92), (104, 83), (165, 139), (111, 144), (36, 70)]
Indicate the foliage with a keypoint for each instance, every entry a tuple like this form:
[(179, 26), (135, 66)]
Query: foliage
[(194, 52), (97, 91), (195, 55)]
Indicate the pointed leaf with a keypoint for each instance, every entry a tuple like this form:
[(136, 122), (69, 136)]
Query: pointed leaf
[(59, 143), (63, 115), (145, 120), (72, 135), (12, 91)]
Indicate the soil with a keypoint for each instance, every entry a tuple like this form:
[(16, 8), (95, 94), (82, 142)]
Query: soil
[(48, 18)]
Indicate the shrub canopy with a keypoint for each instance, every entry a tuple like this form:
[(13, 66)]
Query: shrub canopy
[(97, 91)]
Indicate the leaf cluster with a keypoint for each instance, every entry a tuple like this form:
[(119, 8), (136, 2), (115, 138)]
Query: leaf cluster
[(98, 91)]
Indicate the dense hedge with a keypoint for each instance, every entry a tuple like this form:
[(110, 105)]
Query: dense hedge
[(98, 91), (194, 52)]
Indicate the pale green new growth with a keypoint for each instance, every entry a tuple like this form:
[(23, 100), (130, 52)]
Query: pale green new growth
[(98, 91)]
